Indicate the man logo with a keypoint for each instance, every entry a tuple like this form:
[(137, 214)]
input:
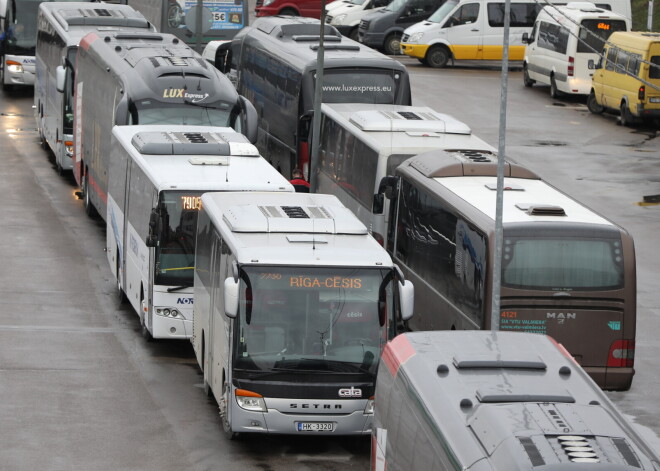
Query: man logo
[(350, 392)]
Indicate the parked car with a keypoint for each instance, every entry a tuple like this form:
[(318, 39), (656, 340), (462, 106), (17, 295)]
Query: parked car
[(310, 8)]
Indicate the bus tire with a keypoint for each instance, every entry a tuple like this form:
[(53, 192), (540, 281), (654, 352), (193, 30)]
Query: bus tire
[(90, 210), (626, 118), (392, 44), (437, 57), (554, 92), (120, 290), (207, 386), (143, 319), (226, 426), (289, 12), (592, 104), (528, 82)]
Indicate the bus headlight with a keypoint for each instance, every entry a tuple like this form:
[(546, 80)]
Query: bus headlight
[(251, 401), (174, 313), (415, 38), (14, 67), (369, 408), (339, 19), (68, 147)]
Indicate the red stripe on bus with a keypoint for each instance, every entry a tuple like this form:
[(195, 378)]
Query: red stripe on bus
[(562, 349), (397, 352), (87, 40), (102, 194)]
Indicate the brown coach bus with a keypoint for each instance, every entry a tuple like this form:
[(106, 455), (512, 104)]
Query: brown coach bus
[(567, 272)]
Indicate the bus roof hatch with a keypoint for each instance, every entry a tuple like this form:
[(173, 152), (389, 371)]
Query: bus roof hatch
[(193, 143)]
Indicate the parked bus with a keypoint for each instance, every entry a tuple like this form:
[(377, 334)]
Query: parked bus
[(217, 20), (294, 303), (157, 176), (143, 78), (276, 64), (496, 401), (60, 27), (18, 39), (564, 45), (360, 144), (566, 272)]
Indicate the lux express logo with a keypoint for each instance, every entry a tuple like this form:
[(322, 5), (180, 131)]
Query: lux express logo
[(182, 93)]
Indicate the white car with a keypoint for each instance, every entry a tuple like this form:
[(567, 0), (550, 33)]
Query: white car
[(347, 14)]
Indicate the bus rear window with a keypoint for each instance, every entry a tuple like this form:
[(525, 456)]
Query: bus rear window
[(562, 264), (654, 70), (361, 86), (594, 33)]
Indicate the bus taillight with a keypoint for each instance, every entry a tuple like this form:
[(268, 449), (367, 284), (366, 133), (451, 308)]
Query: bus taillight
[(571, 67), (641, 93), (622, 354)]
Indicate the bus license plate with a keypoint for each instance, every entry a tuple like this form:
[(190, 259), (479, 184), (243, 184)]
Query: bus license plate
[(654, 99), (315, 426)]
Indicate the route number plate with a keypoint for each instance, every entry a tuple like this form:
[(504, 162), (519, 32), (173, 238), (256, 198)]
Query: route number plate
[(315, 426)]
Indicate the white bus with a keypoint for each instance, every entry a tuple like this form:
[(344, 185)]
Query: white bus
[(294, 305), (60, 27), (362, 143), (566, 43), (157, 175)]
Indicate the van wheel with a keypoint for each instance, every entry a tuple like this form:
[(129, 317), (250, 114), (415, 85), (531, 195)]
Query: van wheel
[(554, 93), (392, 44), (526, 80), (289, 12), (626, 118), (593, 105), (437, 57), (423, 61)]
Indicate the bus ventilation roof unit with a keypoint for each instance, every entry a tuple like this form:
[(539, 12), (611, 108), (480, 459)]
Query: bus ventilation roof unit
[(464, 163), (310, 219), (541, 209), (501, 361), (412, 119), (98, 16), (194, 143)]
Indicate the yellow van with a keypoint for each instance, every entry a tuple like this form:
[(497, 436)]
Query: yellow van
[(627, 77)]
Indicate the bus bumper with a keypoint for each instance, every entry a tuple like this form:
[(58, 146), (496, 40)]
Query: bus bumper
[(649, 113), (23, 76), (611, 379), (415, 50), (169, 328), (275, 422)]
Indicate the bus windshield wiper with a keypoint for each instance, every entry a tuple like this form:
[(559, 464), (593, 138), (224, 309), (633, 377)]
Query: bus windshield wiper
[(171, 289)]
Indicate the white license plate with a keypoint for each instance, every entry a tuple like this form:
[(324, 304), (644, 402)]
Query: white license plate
[(315, 426), (655, 99)]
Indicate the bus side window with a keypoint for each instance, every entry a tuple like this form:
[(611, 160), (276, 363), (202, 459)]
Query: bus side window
[(611, 59)]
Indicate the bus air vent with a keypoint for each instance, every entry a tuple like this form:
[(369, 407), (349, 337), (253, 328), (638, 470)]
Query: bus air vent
[(177, 61), (542, 210), (311, 37), (181, 143), (627, 452), (336, 47), (512, 394), (154, 62), (97, 17), (295, 212), (410, 115), (532, 452), (487, 362), (578, 448)]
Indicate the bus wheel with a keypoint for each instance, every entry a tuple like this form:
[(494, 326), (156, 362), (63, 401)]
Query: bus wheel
[(392, 45), (437, 57), (289, 12), (626, 118), (207, 386), (143, 320), (528, 82), (87, 202), (224, 404), (554, 93), (593, 105)]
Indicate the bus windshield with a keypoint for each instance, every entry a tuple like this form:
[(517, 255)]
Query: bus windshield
[(361, 86), (175, 254), (554, 263), (441, 13), (212, 114), (21, 28), (313, 319)]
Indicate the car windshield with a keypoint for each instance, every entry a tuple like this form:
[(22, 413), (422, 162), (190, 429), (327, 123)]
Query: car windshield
[(442, 12), (395, 5), (175, 254), (302, 319), (213, 114)]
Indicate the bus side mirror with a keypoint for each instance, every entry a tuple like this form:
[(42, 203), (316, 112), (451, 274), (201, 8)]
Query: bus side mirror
[(231, 297), (525, 38), (60, 77), (379, 203), (591, 65), (250, 119), (151, 241), (304, 126), (154, 228), (223, 57), (407, 299), (387, 186)]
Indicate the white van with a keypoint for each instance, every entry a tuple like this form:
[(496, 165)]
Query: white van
[(474, 29), (565, 42), (346, 17)]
